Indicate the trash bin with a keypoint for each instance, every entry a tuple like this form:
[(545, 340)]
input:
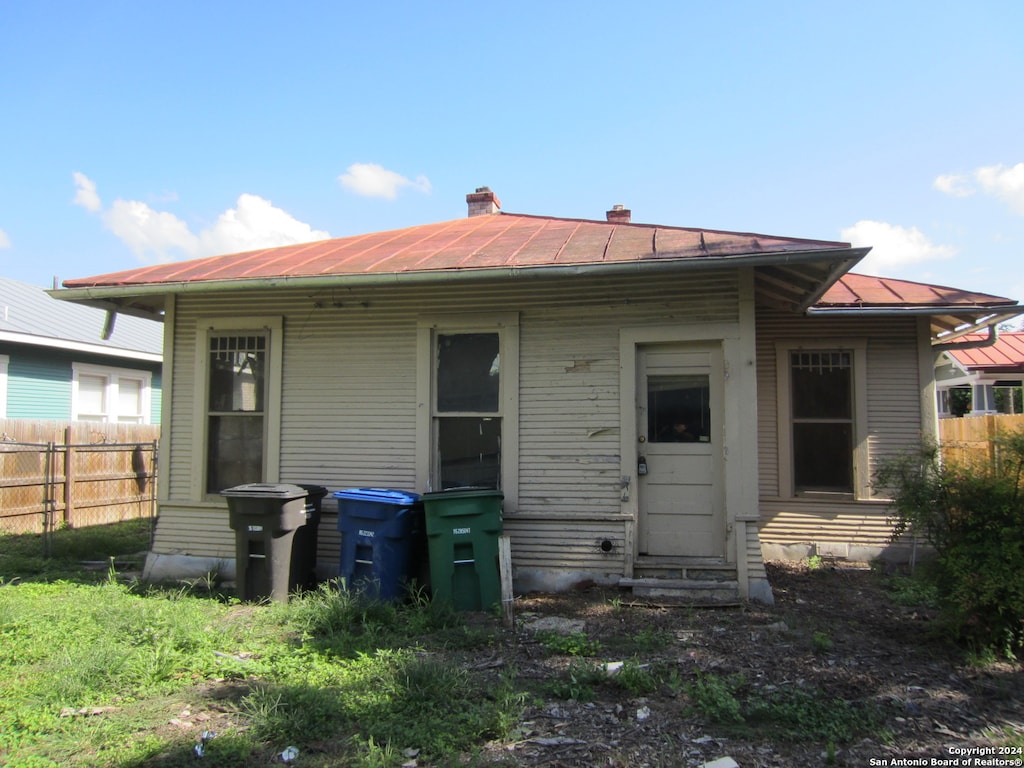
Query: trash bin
[(265, 517), (379, 528), (304, 546), (463, 526)]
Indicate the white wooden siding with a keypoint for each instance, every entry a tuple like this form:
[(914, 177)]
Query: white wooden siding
[(893, 424), (349, 398)]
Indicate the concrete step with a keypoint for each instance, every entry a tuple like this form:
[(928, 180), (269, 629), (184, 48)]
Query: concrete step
[(686, 590)]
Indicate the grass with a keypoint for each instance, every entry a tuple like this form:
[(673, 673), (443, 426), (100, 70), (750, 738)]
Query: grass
[(94, 669)]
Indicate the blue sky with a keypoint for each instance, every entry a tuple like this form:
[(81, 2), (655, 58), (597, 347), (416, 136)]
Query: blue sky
[(137, 132)]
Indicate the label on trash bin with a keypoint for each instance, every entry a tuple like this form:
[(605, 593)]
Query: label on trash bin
[(367, 534), (460, 531), (255, 529)]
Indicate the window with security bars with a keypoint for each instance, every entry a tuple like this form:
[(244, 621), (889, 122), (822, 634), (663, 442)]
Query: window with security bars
[(237, 366), (821, 386)]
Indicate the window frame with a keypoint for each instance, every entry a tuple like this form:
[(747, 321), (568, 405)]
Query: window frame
[(112, 381), (857, 348), (272, 329), (506, 325)]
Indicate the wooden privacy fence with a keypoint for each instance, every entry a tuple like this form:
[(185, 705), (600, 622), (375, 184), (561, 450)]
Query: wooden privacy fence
[(55, 474), (970, 438)]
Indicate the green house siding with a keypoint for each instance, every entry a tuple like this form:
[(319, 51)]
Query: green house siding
[(39, 381), (38, 388)]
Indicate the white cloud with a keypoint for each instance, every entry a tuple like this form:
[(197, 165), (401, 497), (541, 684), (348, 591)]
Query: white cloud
[(256, 223), (954, 184), (161, 236), (1005, 183), (999, 181), (86, 195), (892, 247), (372, 180), (5, 241), (151, 233)]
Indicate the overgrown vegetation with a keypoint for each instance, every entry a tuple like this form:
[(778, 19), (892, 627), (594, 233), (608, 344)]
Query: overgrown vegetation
[(973, 515)]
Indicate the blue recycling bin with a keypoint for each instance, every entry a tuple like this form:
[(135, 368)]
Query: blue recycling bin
[(379, 528)]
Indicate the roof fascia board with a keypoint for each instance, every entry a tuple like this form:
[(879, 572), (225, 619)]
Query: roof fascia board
[(652, 266), (79, 346)]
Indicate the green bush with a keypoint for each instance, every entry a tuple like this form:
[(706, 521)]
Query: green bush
[(973, 515)]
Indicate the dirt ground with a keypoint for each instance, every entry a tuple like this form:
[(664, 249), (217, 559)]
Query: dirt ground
[(879, 653)]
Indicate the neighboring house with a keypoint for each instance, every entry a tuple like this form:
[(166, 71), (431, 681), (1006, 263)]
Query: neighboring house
[(64, 362), (988, 369), (559, 360)]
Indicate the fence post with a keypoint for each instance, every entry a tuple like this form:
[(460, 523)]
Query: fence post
[(69, 477)]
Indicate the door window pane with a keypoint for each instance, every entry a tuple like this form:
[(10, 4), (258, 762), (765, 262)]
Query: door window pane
[(468, 368), (678, 408)]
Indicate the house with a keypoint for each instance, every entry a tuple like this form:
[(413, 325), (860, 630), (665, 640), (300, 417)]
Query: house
[(554, 359), (65, 361), (986, 371)]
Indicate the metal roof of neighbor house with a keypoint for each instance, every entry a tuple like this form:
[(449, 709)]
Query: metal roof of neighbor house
[(29, 315), (1005, 354)]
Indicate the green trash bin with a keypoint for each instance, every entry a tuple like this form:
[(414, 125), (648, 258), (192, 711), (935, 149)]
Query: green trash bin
[(463, 526)]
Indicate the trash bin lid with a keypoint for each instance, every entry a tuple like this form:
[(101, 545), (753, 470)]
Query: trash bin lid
[(378, 495), (463, 492), (265, 491)]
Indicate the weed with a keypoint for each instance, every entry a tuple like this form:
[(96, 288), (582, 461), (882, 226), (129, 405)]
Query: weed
[(648, 640), (573, 644), (821, 643), (636, 679), (578, 682), (815, 563), (715, 697)]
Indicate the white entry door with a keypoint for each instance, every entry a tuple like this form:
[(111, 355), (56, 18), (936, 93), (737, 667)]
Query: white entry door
[(679, 429)]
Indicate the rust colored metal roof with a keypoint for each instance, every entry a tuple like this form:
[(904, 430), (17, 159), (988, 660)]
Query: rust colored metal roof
[(854, 291), (1006, 354), (503, 241)]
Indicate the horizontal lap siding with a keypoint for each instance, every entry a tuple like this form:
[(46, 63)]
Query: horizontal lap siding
[(894, 423), (349, 397)]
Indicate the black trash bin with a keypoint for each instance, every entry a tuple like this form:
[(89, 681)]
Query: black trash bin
[(304, 545), (265, 517)]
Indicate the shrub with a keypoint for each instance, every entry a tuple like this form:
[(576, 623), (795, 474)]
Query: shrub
[(973, 515)]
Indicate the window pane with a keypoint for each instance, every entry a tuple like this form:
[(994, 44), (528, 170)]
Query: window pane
[(823, 457), (467, 372), (92, 395), (237, 373), (469, 452), (822, 385), (129, 398), (235, 452), (678, 409)]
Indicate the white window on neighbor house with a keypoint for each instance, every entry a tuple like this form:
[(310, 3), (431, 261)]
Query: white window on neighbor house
[(238, 362), (110, 395), (822, 404), (468, 377), (4, 362)]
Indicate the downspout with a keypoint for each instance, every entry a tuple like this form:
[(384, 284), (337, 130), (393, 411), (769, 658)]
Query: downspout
[(108, 324)]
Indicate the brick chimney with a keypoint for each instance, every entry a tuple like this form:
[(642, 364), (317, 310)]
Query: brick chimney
[(619, 214), (483, 202)]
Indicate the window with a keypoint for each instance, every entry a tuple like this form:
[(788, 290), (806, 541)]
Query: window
[(468, 376), (822, 406), (238, 362), (4, 361), (110, 395)]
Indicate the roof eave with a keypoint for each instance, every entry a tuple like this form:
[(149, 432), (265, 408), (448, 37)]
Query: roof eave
[(105, 296)]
